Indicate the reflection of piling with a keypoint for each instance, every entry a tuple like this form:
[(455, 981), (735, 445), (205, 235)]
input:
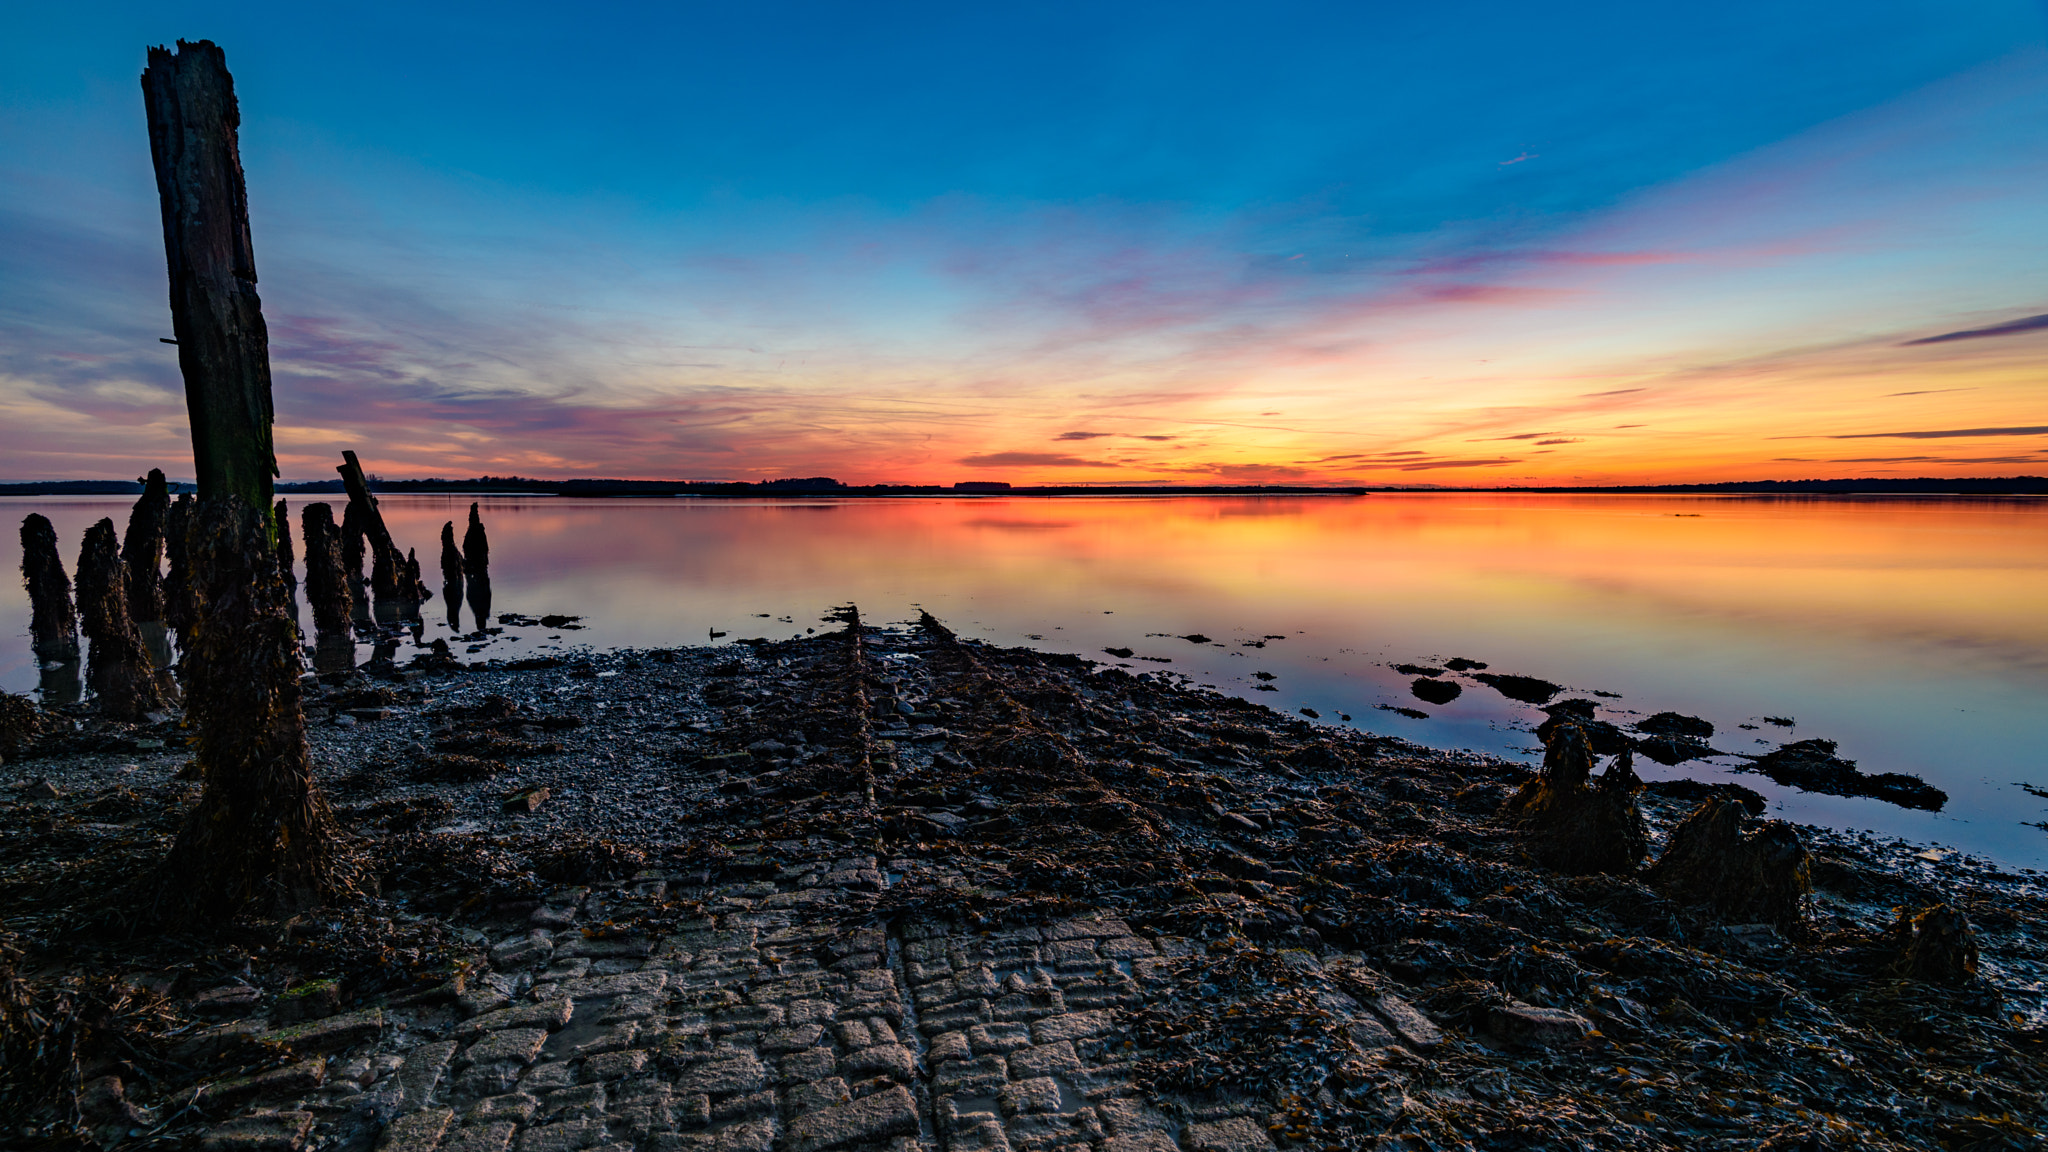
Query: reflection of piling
[(142, 550), (286, 562), (120, 668), (53, 623), (476, 568), (451, 575), (327, 583), (180, 612)]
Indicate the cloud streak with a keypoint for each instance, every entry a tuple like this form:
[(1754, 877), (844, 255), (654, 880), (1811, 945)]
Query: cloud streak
[(2009, 328)]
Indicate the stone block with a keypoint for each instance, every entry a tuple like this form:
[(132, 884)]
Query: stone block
[(891, 1060), (332, 1034), (419, 1132), (421, 1073), (971, 1077), (495, 1136), (1125, 948), (1045, 1060), (744, 1106), (488, 1079), (827, 1093), (1536, 1027), (572, 1103), (809, 1064), (1080, 929), (270, 1132), (477, 1001), (777, 1040), (799, 1012), (521, 1045), (719, 1077), (646, 982), (1037, 1096), (565, 1136), (949, 1046), (877, 1117), (1236, 1134), (549, 1015), (615, 1065), (1072, 1026), (516, 1107), (546, 1077), (612, 1039), (746, 1136), (1142, 1142), (1131, 1116), (999, 1038), (1407, 1021)]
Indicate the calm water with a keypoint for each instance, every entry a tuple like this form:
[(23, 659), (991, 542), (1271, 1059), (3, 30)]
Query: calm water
[(1913, 631)]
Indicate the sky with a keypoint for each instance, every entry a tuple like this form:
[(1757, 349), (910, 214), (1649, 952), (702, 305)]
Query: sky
[(1362, 243)]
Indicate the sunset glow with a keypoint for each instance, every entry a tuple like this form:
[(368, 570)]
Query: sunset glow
[(1174, 249)]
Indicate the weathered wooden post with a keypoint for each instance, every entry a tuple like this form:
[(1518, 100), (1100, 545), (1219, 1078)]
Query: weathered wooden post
[(119, 667), (179, 611), (53, 623), (142, 550), (327, 585), (261, 833), (476, 566), (451, 575), (286, 562)]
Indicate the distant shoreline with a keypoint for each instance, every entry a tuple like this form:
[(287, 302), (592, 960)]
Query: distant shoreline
[(521, 486)]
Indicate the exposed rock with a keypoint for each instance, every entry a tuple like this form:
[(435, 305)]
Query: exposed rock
[(1527, 689), (1435, 691), (1937, 945), (1813, 766)]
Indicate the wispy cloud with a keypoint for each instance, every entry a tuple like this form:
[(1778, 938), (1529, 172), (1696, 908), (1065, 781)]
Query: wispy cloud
[(1946, 433), (1031, 460), (2009, 328)]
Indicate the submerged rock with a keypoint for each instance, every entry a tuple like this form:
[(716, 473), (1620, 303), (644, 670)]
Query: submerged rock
[(1813, 766), (1527, 689), (1607, 740)]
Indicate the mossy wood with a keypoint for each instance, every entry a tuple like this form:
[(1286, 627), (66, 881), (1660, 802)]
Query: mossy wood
[(216, 316)]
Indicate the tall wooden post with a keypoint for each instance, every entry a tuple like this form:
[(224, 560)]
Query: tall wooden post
[(223, 346), (261, 833)]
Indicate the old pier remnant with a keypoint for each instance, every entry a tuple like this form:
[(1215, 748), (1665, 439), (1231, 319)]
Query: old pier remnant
[(476, 567), (53, 622), (119, 667), (327, 584), (451, 574), (286, 562), (1578, 823), (1749, 871), (394, 578), (261, 832), (142, 550), (1936, 945)]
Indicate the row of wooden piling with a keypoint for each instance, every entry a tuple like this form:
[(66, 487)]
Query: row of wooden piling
[(131, 609)]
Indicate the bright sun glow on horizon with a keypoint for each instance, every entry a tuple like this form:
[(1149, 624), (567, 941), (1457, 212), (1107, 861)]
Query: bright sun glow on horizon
[(1146, 251)]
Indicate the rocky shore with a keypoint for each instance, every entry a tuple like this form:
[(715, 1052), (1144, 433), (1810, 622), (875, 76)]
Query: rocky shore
[(888, 889)]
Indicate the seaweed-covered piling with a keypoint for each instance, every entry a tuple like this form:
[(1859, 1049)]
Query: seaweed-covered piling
[(179, 613), (1577, 823), (476, 567), (1936, 945), (451, 575), (353, 540), (327, 583), (53, 622), (142, 550), (1748, 871), (281, 520), (120, 667), (262, 834)]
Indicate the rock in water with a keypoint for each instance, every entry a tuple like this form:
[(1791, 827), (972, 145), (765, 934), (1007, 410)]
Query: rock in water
[(286, 562), (142, 549), (119, 668), (328, 588), (1937, 945), (1576, 823), (451, 574), (53, 622), (1751, 872), (1435, 691)]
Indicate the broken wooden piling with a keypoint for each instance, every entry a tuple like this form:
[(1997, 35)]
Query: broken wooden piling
[(261, 832), (451, 575), (1578, 823), (119, 666), (327, 583), (53, 622), (476, 567), (286, 562), (1749, 871), (142, 550)]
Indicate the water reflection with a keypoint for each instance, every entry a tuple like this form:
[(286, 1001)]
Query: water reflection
[(1912, 631)]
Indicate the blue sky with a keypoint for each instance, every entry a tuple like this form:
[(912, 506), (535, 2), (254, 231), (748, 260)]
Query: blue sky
[(1197, 241)]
